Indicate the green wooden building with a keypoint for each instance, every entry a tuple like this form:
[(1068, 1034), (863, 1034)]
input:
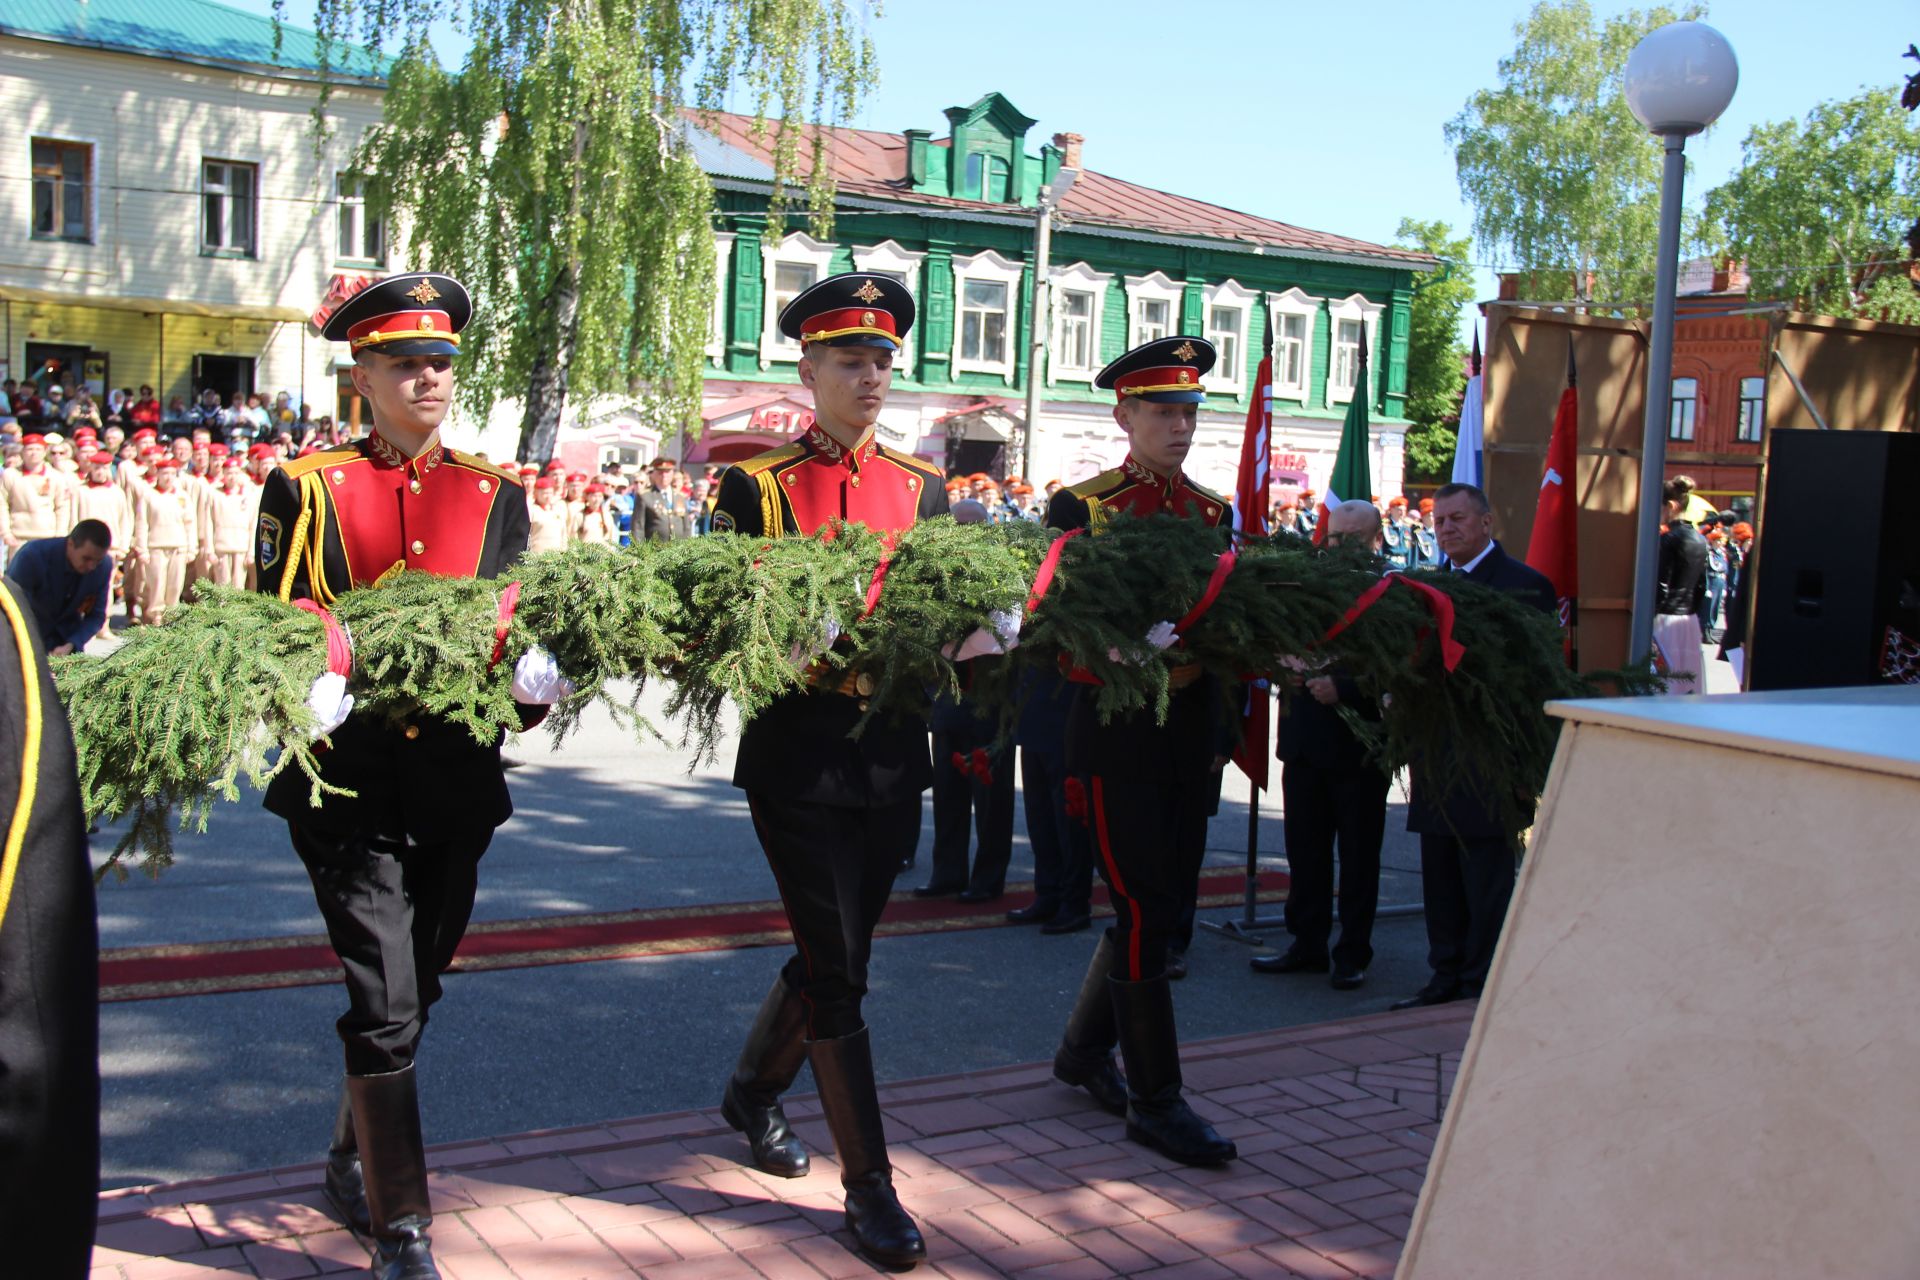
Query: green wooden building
[(954, 218)]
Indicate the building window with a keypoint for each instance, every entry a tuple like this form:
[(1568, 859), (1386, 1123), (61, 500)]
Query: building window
[(361, 239), (1153, 307), (792, 267), (986, 286), (1354, 320), (1228, 306), (1753, 409), (983, 322), (62, 201), (1079, 298), (1292, 315), (987, 177), (889, 258), (228, 192), (1073, 330), (1686, 399)]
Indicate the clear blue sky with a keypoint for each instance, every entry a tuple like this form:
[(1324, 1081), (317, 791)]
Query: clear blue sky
[(1327, 116)]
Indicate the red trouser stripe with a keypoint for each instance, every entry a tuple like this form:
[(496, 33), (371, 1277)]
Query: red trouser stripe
[(1131, 907)]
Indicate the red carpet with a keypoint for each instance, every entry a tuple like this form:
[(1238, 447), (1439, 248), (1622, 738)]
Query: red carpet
[(254, 964)]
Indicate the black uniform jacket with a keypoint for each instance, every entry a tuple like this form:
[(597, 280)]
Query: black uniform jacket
[(341, 520), (49, 1061), (800, 748), (1469, 812), (1135, 745), (1312, 734)]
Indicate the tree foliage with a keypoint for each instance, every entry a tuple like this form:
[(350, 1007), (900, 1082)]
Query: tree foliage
[(553, 174), (1563, 181), (1436, 358), (1820, 207)]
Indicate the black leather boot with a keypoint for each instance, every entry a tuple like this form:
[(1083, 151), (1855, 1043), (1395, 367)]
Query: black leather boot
[(775, 1048), (393, 1163), (843, 1068), (1085, 1056), (1157, 1116), (343, 1187)]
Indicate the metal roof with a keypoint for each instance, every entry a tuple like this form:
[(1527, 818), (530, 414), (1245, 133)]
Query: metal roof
[(196, 31)]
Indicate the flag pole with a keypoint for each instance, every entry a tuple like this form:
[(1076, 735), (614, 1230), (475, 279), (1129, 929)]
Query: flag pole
[(1246, 928)]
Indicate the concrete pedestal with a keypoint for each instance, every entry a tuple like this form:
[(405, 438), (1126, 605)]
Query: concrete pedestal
[(1698, 1053)]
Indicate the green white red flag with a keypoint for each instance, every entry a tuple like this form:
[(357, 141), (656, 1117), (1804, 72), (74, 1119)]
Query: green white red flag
[(1352, 475)]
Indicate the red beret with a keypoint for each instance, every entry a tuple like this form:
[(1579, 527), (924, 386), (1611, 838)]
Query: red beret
[(103, 458), (167, 464), (33, 437), (544, 482), (596, 488), (260, 451), (218, 450), (146, 433)]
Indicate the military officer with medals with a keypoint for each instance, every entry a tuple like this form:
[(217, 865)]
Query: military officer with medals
[(1149, 786), (661, 513), (394, 865), (836, 816)]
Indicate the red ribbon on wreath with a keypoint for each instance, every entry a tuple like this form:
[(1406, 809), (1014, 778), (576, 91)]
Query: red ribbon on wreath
[(503, 622), (1438, 603), (1222, 570), (339, 643), (1044, 578)]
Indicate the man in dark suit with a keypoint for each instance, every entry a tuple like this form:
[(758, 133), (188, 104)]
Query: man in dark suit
[(1468, 853), (1332, 790)]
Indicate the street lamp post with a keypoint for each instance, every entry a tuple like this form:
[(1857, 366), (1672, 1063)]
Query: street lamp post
[(1679, 79), (1050, 196)]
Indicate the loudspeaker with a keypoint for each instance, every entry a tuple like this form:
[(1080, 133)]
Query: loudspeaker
[(1838, 557)]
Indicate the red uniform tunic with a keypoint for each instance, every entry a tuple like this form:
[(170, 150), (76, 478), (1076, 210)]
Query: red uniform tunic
[(801, 747)]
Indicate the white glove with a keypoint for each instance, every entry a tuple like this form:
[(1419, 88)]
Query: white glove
[(537, 681), (801, 656), (1162, 635), (1000, 635), (330, 703)]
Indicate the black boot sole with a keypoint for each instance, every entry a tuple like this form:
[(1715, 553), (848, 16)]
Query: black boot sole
[(731, 1114), (1113, 1105), (892, 1259)]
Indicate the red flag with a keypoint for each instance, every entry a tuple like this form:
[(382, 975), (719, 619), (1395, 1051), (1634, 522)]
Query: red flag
[(1250, 519), (1554, 548)]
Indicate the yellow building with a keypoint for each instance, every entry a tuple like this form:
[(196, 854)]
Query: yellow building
[(165, 218)]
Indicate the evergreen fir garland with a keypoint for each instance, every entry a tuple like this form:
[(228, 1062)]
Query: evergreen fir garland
[(181, 713)]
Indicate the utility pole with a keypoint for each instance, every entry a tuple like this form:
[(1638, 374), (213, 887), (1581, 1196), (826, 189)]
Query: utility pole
[(1037, 329)]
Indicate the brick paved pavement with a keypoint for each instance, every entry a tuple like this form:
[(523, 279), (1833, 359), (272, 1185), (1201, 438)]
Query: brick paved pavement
[(1008, 1173)]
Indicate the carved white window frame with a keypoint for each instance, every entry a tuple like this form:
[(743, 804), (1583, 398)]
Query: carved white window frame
[(1229, 378), (1155, 287), (892, 258), (1350, 308), (1294, 302), (722, 295), (797, 247), (1077, 278), (986, 265)]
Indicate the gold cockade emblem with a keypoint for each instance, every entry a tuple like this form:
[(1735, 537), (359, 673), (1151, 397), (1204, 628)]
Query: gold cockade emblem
[(423, 293), (1184, 351), (867, 292)]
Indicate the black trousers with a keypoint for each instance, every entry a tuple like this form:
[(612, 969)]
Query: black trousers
[(1467, 884), (835, 868), (964, 805), (1062, 849), (395, 913), (1150, 838), (1325, 807)]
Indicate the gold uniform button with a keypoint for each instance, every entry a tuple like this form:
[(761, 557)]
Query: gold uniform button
[(863, 684), (419, 547), (413, 486), (856, 481), (486, 486), (339, 476), (912, 482), (411, 732)]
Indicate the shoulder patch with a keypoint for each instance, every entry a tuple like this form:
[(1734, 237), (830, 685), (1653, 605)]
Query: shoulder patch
[(267, 542), (472, 463), (297, 467), (914, 460), (1098, 485), (723, 522), (771, 458)]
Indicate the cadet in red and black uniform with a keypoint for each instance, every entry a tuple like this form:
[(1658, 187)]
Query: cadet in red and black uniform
[(394, 866), (1149, 786), (836, 815)]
